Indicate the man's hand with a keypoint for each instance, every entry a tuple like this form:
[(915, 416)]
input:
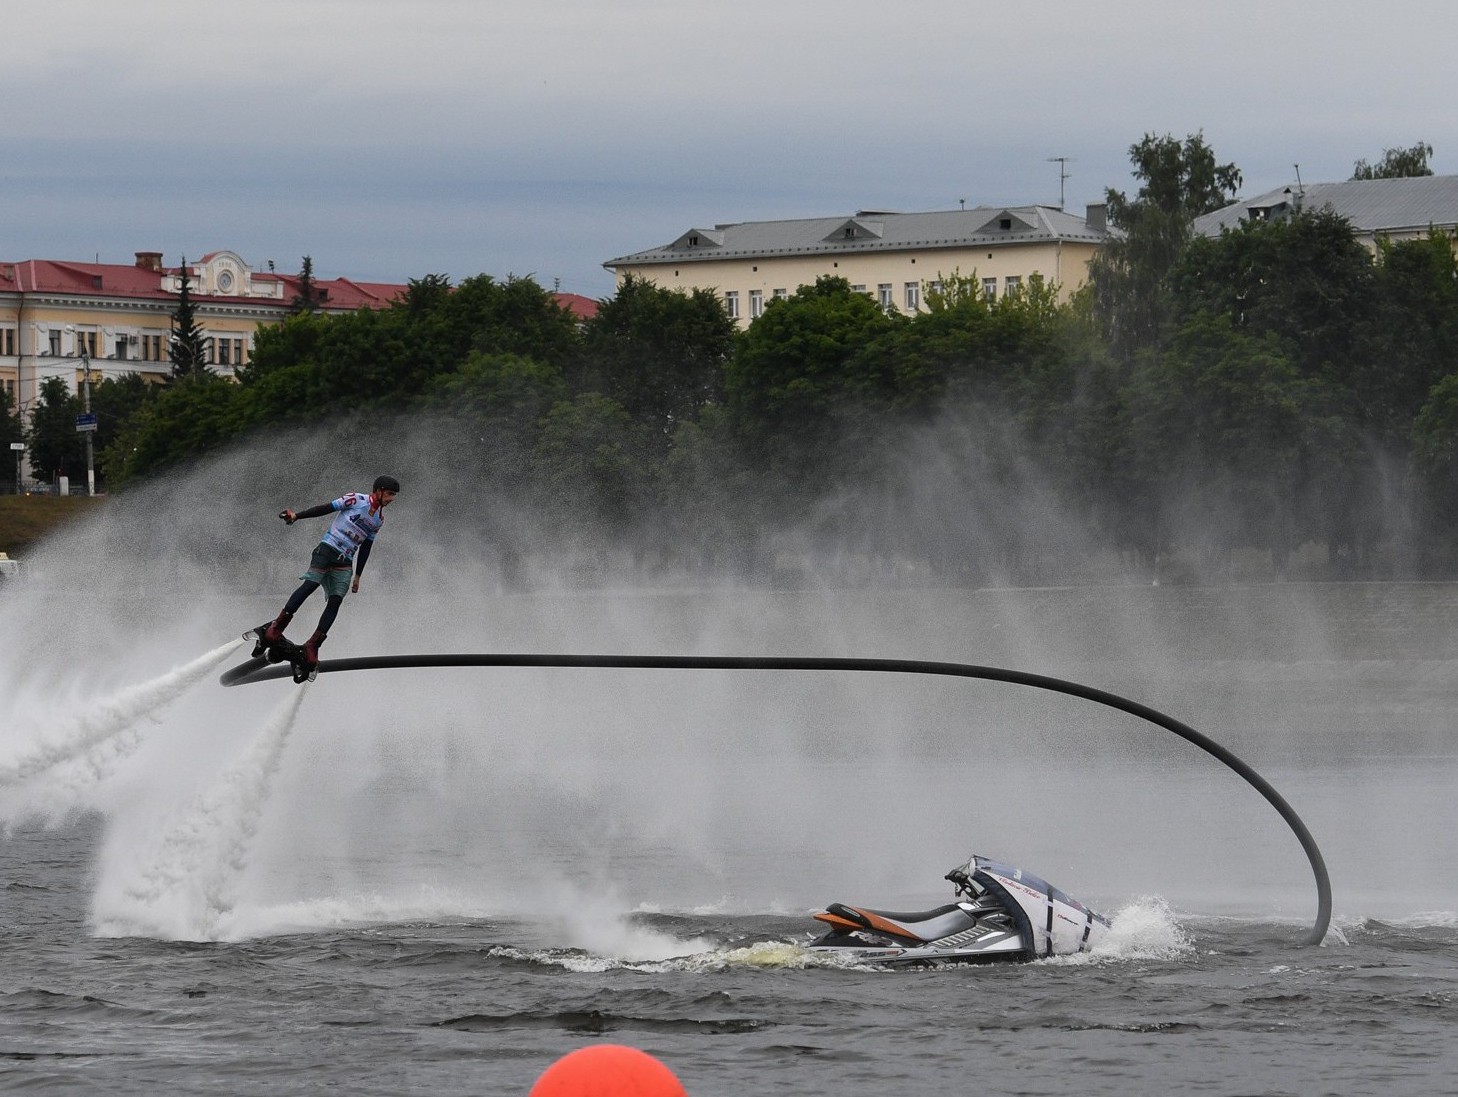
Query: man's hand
[(287, 516), (354, 586)]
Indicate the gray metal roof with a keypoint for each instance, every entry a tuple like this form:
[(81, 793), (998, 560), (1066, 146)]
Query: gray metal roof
[(870, 231), (1371, 205)]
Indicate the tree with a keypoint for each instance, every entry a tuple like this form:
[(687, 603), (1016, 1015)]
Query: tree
[(116, 401), (660, 353), (789, 371), (306, 298), (1397, 164), (588, 466), (967, 345), (1127, 277), (187, 350), (56, 447), (493, 409), (1218, 423), (1305, 278), (1412, 343), (1435, 438), (11, 430), (185, 420)]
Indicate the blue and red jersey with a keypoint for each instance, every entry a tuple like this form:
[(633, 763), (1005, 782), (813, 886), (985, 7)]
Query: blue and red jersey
[(354, 524)]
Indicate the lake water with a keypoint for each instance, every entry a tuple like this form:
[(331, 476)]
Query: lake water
[(440, 881)]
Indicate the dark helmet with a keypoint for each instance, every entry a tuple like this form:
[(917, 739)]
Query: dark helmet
[(386, 483)]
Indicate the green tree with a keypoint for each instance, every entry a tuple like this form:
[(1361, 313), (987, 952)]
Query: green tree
[(493, 408), (966, 346), (116, 401), (56, 447), (1397, 164), (788, 373), (795, 389), (307, 297), (589, 467), (660, 353), (1435, 464), (11, 430), (1412, 342), (185, 420), (187, 350), (1180, 180), (1304, 278), (1218, 422)]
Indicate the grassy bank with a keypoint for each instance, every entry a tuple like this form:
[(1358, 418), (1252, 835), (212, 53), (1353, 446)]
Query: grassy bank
[(25, 519)]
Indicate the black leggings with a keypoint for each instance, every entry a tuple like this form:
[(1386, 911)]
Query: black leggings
[(331, 607)]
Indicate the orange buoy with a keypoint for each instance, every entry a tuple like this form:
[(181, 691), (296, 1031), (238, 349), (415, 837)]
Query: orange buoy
[(607, 1070)]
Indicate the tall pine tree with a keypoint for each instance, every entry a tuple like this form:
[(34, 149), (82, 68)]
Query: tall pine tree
[(188, 350)]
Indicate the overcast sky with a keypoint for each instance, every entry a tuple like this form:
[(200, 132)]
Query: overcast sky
[(389, 139)]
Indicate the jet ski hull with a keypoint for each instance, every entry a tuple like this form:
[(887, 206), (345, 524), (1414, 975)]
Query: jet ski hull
[(1000, 914)]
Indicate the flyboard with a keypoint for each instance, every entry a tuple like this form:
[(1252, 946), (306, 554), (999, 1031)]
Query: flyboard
[(281, 651), (258, 669)]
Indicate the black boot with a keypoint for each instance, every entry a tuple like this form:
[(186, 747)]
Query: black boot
[(307, 667)]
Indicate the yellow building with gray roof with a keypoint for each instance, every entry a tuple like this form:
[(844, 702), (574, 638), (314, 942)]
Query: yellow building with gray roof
[(892, 257)]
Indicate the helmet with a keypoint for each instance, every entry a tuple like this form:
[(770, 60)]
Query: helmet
[(386, 483)]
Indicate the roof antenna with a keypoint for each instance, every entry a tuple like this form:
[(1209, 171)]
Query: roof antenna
[(1063, 176), (1300, 186)]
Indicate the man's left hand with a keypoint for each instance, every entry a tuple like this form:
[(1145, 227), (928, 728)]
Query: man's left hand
[(354, 586)]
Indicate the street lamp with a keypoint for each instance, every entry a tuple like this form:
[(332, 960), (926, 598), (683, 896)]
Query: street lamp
[(86, 425)]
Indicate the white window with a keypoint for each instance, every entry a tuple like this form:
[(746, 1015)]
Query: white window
[(860, 287), (913, 296), (1013, 283), (55, 342), (756, 303), (885, 296), (731, 304), (989, 288), (782, 294), (7, 342)]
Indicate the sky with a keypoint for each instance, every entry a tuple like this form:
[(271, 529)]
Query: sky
[(389, 140)]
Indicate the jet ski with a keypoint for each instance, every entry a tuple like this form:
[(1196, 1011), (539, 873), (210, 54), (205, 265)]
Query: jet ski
[(998, 913)]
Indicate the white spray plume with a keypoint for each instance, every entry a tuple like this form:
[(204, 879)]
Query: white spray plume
[(183, 887), (75, 733)]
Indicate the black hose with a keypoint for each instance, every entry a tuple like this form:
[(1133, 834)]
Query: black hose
[(258, 670)]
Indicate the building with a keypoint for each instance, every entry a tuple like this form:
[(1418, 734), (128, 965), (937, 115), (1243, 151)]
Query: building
[(56, 316), (890, 256), (1392, 209)]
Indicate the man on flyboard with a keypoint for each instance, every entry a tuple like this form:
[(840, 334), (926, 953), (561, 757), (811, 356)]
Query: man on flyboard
[(339, 555)]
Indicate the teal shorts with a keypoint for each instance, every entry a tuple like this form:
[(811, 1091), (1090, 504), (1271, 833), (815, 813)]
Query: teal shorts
[(331, 569)]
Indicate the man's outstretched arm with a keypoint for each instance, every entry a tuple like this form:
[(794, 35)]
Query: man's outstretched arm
[(290, 517)]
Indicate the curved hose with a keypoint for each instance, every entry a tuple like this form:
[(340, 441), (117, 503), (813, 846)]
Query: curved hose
[(258, 670)]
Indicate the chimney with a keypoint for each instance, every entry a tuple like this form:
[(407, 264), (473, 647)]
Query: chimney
[(1097, 217), (150, 260)]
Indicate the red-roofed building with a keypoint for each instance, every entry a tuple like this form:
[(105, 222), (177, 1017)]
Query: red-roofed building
[(584, 308), (55, 313)]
